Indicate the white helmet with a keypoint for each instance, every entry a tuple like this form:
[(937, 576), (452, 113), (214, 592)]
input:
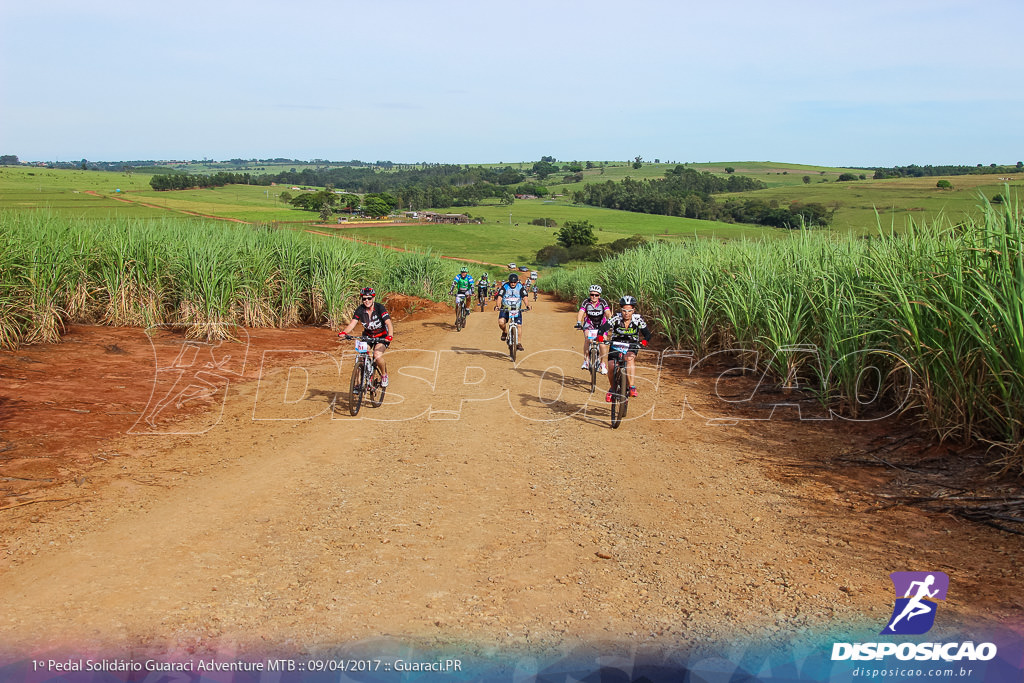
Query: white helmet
[(595, 289)]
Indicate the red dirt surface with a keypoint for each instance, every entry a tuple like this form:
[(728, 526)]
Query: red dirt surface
[(167, 496)]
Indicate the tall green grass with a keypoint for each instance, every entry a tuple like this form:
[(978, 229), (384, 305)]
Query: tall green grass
[(931, 318), (204, 277)]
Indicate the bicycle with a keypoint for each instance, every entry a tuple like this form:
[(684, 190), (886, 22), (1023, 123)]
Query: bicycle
[(482, 297), (514, 307), (535, 294), (593, 354), (620, 383), (461, 307), (366, 376)]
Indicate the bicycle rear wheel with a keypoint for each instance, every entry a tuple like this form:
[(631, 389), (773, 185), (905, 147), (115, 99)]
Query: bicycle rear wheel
[(616, 398), (513, 340), (356, 388)]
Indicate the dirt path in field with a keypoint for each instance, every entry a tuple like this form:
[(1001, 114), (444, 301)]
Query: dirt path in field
[(486, 504)]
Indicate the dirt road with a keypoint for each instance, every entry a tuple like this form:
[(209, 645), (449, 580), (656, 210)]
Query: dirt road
[(486, 503)]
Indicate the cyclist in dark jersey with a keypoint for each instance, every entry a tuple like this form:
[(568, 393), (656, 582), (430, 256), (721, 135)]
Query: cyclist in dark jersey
[(483, 287), (628, 329), (594, 312), (377, 324)]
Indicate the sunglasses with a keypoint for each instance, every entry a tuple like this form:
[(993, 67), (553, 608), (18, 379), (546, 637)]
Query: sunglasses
[(367, 298), (593, 295)]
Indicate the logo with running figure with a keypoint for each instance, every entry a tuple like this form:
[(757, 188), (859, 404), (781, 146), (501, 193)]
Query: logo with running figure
[(914, 612)]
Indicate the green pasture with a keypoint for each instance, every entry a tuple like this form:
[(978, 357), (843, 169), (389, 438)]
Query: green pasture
[(898, 201), (68, 191), (498, 240), (94, 195), (771, 173), (250, 203)]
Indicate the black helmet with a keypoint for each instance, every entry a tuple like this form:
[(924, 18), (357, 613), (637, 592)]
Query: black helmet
[(367, 291), (512, 277), (628, 301)]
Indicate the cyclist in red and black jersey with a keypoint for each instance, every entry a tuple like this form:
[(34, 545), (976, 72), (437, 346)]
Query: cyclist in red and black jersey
[(630, 330), (594, 312), (377, 324)]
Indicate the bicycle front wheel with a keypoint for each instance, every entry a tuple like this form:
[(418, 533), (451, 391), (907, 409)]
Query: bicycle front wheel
[(513, 340), (595, 361), (356, 389)]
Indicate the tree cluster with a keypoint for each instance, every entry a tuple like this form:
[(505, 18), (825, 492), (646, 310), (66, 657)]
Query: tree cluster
[(557, 254), (184, 181), (688, 193)]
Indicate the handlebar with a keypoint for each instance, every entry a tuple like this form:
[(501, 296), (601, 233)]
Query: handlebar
[(361, 337)]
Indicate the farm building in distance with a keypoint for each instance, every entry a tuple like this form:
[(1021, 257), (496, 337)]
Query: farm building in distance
[(433, 217)]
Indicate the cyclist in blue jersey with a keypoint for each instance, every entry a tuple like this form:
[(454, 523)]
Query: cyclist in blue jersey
[(511, 293)]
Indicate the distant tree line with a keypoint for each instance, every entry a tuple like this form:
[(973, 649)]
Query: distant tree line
[(915, 171), (363, 179)]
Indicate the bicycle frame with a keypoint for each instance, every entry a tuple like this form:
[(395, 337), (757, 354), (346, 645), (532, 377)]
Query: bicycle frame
[(620, 381), (514, 307), (461, 309)]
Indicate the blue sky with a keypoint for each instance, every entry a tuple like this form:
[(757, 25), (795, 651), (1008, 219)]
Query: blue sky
[(859, 83)]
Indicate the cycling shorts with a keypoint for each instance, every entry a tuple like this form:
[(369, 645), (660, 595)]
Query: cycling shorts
[(503, 315)]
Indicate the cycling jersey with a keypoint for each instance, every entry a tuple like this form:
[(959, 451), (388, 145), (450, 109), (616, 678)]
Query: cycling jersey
[(373, 320), (511, 295), (483, 286), (463, 284), (616, 329), (594, 313), (507, 290)]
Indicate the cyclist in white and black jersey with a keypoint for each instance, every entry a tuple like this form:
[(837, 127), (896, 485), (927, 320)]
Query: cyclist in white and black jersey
[(594, 312), (483, 287), (377, 324), (509, 292), (628, 328)]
